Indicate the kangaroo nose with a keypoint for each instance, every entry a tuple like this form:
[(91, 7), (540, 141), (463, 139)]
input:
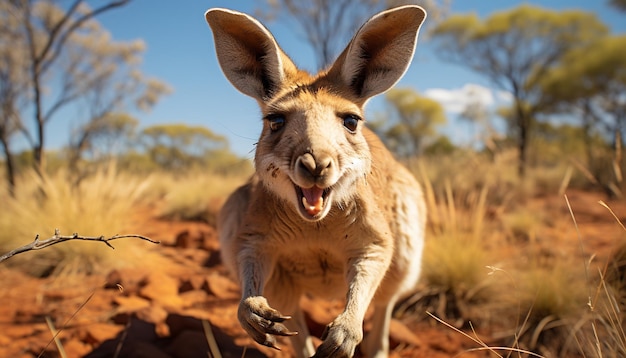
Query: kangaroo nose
[(316, 166)]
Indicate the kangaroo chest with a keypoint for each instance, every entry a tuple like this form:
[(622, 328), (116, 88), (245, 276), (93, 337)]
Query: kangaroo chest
[(314, 257)]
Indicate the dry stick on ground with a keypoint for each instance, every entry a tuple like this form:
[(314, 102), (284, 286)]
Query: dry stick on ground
[(57, 238)]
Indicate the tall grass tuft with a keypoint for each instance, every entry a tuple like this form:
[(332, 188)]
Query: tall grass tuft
[(455, 260), (609, 302), (102, 204), (552, 298)]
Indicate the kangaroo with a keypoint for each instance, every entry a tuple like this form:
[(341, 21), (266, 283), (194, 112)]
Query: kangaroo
[(329, 211)]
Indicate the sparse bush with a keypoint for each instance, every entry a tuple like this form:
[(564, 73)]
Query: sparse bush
[(557, 291), (522, 224)]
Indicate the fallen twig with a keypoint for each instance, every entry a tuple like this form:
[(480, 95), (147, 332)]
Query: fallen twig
[(57, 238)]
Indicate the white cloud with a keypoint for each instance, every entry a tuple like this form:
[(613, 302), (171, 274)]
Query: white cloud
[(456, 100), (504, 96)]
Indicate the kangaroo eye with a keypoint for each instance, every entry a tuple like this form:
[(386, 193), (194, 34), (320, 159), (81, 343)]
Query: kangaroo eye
[(351, 122), (276, 122)]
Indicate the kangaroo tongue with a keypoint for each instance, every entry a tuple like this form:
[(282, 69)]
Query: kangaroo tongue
[(312, 200)]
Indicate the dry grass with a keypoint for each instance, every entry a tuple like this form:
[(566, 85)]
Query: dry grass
[(103, 204), (534, 299), (196, 195), (607, 305), (455, 262), (522, 224), (486, 263)]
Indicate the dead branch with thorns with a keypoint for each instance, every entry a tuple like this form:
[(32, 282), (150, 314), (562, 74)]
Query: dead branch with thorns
[(57, 238)]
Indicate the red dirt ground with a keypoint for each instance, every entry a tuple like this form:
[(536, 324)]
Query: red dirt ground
[(164, 307)]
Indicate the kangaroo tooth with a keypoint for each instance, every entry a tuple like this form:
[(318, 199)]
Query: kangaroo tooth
[(313, 209)]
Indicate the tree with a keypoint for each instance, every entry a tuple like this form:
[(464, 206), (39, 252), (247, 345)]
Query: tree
[(102, 138), (13, 87), (591, 79), (477, 113), (514, 49), (105, 136), (179, 146), (62, 58), (591, 82), (327, 25), (412, 121), (9, 120)]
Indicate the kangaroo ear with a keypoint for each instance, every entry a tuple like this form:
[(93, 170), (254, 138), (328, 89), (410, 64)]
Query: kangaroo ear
[(248, 53), (379, 53)]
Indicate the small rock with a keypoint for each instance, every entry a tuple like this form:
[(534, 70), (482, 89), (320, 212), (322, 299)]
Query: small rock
[(163, 289), (193, 298), (4, 340), (76, 348), (185, 240), (191, 283), (152, 314), (99, 332), (121, 318), (221, 287), (162, 330), (214, 259), (24, 330), (209, 240), (131, 303)]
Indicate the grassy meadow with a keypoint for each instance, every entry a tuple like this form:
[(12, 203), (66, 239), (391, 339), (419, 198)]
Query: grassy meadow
[(506, 262)]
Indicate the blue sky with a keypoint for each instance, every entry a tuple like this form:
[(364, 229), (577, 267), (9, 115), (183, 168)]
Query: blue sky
[(180, 52)]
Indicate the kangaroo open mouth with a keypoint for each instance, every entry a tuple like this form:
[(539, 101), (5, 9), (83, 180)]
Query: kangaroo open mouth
[(313, 201)]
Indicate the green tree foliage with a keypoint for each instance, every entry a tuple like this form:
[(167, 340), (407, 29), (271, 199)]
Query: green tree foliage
[(102, 138), (60, 57), (178, 147), (108, 135), (442, 145), (412, 123), (590, 82), (514, 49), (591, 79), (326, 25), (553, 142)]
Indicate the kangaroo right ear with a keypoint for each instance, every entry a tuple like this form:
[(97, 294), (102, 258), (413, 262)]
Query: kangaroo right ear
[(379, 53), (248, 53)]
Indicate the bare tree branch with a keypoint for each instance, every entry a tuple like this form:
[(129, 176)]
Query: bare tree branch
[(57, 238), (44, 59), (58, 38)]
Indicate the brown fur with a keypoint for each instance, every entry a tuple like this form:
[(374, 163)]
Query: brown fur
[(363, 240)]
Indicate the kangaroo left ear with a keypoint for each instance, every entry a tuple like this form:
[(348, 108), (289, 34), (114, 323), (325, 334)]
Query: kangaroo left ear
[(248, 53), (380, 52)]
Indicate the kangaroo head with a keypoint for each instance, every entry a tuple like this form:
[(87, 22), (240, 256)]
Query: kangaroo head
[(313, 150)]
